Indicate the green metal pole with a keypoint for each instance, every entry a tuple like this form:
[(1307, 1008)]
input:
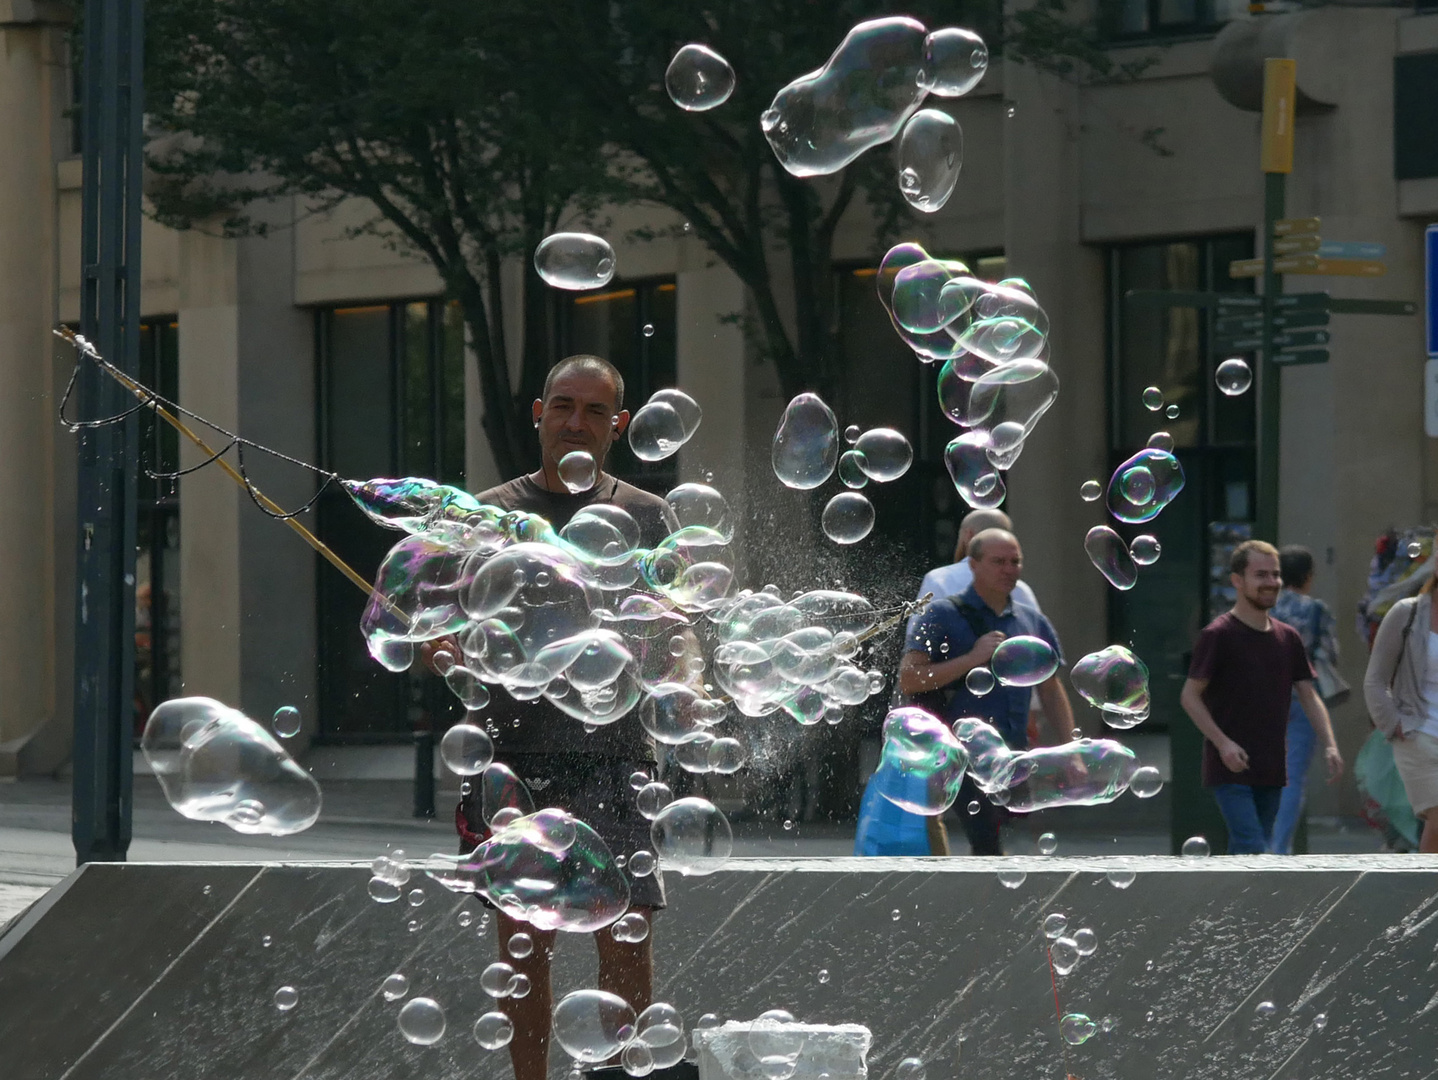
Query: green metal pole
[(1266, 502)]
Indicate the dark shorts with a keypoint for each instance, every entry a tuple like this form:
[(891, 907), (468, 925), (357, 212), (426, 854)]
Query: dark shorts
[(594, 789)]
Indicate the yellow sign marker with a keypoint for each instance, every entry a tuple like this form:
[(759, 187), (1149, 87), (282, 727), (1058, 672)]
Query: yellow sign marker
[(1294, 226), (1309, 264), (1296, 245), (1280, 79)]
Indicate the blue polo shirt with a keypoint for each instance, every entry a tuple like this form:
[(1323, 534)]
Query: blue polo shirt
[(945, 632)]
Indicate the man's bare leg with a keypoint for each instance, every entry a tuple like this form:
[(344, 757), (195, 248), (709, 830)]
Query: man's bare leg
[(529, 1049), (626, 968)]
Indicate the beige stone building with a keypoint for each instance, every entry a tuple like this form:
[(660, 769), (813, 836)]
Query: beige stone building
[(341, 352)]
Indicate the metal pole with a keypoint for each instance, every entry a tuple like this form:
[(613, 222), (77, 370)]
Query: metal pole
[(1269, 373), (110, 317)]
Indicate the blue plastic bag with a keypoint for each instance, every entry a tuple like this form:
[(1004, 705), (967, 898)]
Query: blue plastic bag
[(885, 829)]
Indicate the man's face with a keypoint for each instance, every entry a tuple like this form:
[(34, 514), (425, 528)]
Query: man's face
[(998, 566), (1260, 581), (579, 414)]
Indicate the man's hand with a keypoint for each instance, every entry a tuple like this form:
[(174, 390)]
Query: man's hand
[(1235, 757), (1334, 760), (984, 648)]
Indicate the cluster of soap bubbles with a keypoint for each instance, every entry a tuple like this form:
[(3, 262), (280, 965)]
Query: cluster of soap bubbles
[(216, 764), (867, 92), (595, 1025), (662, 425)]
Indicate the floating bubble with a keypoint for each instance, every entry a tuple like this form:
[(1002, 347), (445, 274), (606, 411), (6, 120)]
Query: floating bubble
[(700, 504), (416, 897), (1049, 843), (464, 918), (286, 998), (1077, 1028), (1136, 485), (216, 764), (394, 987), (1145, 550), (1171, 412), (1147, 782), (1414, 550), (1056, 923), (636, 1059), (911, 1068), (1161, 440), (1116, 681), (851, 469), (1320, 1021), (1122, 879), (466, 750), (848, 517), (1090, 491), (382, 891), (656, 431), (927, 758), (1153, 399), (494, 980), (652, 798), (648, 330), (519, 985), (1063, 954), (690, 414), (1086, 941), (698, 78), (421, 1021), (1107, 551), (852, 433), (1195, 847), (1022, 386), (726, 756), (286, 721), (577, 471), (974, 477), (520, 945), (806, 444), (1265, 1009), (776, 1041), (860, 98), (642, 863), (973, 807), (1233, 377), (493, 1030), (954, 61), (885, 454), (632, 928), (979, 681), (1023, 661), (593, 1025), (931, 153), (923, 280), (574, 261), (691, 836), (1012, 879)]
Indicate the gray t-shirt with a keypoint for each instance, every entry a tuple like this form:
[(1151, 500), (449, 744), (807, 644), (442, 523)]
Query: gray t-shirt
[(537, 727)]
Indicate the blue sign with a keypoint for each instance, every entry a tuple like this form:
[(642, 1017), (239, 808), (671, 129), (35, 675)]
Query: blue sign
[(1351, 249), (1430, 286)]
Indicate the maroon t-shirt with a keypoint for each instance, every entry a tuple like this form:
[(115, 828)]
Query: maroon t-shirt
[(1250, 677)]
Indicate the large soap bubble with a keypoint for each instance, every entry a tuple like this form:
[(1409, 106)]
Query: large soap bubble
[(1115, 681), (698, 78), (860, 98), (1107, 551), (692, 836), (1017, 392), (931, 153), (655, 431), (593, 1025), (975, 477), (885, 454), (1143, 485), (700, 504), (806, 444), (1085, 772), (848, 517), (1023, 660), (928, 759), (954, 61), (466, 749), (577, 471), (216, 764), (938, 344), (574, 261)]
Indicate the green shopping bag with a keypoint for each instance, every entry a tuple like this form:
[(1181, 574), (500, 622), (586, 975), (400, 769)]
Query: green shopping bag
[(1385, 803)]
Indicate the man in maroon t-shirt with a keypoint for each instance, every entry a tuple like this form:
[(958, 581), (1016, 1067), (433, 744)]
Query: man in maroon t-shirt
[(1246, 667)]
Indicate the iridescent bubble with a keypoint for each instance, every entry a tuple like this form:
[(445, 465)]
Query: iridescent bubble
[(466, 750), (593, 1025), (520, 945), (692, 836), (1153, 399), (1171, 412), (577, 471), (501, 790), (1048, 843), (493, 1030), (954, 61), (1147, 782), (1161, 440), (1077, 1028), (1143, 485), (394, 987), (920, 298), (931, 153), (927, 761), (967, 460), (860, 98), (1012, 879), (885, 454), (1055, 923), (286, 998), (1086, 941), (421, 1021), (1016, 332), (216, 764), (1195, 847), (574, 261), (656, 431), (1107, 551), (848, 517), (806, 444), (1121, 879), (494, 979), (1090, 491), (1115, 681), (979, 681), (700, 504), (652, 798), (286, 721), (911, 1068), (851, 469), (1023, 661), (698, 78), (631, 928), (1145, 550)]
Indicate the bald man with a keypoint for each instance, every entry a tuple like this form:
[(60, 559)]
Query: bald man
[(953, 579)]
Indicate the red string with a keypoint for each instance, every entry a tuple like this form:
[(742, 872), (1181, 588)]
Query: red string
[(1059, 1012)]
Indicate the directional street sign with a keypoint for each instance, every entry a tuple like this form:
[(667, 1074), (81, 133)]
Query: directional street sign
[(1293, 226), (1351, 249), (1244, 325), (1430, 285), (1301, 356), (1309, 264)]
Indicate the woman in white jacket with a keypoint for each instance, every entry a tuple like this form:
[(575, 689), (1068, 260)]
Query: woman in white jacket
[(1401, 688)]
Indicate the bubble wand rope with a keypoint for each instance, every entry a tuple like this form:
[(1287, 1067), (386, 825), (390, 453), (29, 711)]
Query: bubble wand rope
[(149, 399), (1059, 1014)]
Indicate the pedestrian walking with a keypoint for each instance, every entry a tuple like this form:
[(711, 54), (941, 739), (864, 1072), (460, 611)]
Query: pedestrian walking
[(953, 578), (1246, 668)]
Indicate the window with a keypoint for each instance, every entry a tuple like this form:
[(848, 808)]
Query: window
[(1415, 116), (391, 403), (633, 325), (1167, 18)]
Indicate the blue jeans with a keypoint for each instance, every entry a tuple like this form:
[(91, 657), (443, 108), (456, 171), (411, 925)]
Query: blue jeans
[(1248, 812), (1301, 741)]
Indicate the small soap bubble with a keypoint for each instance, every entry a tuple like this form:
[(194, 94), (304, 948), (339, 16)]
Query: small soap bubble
[(413, 925), (1048, 844), (642, 863), (1171, 412), (416, 897), (1090, 490), (464, 918), (1120, 879), (1195, 847), (493, 1030), (593, 1025), (852, 433), (577, 471), (1110, 555), (1012, 879), (494, 980), (973, 807), (574, 261), (894, 915), (1115, 681), (395, 987), (207, 890), (911, 1068), (1064, 955), (698, 78), (1320, 1021), (648, 329), (1153, 399), (1023, 661), (286, 998), (1086, 941), (885, 454), (652, 798), (806, 444), (466, 749), (1145, 550), (954, 61), (1148, 965), (1108, 1024), (692, 836), (520, 945), (631, 928), (1077, 1028), (421, 1021), (1147, 782), (656, 431), (1233, 376), (1054, 925), (1414, 550), (1161, 440), (823, 975), (788, 825), (1149, 1016), (1265, 1009), (931, 153), (979, 681), (266, 941), (286, 721), (519, 985), (382, 891), (848, 517)]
